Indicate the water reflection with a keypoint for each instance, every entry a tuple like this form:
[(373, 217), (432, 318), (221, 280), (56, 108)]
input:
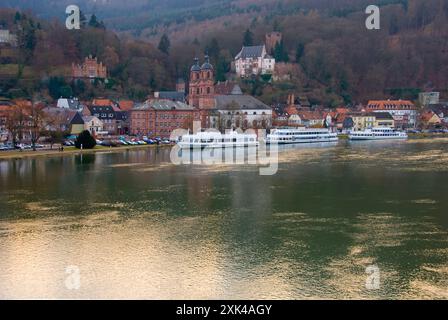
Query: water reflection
[(140, 227)]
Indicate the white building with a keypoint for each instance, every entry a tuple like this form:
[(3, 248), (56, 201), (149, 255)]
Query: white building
[(241, 111), (254, 61), (428, 98), (72, 104), (7, 37), (93, 125)]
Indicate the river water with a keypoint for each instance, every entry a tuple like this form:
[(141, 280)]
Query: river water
[(134, 225)]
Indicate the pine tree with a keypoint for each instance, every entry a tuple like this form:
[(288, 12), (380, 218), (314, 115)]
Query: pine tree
[(299, 52), (164, 44), (248, 39)]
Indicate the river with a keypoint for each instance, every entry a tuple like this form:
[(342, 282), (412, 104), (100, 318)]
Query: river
[(134, 225)]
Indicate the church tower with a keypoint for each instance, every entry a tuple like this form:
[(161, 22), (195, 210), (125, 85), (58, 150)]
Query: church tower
[(202, 85)]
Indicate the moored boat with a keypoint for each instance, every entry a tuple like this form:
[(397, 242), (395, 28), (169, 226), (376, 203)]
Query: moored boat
[(218, 140), (292, 136), (378, 134)]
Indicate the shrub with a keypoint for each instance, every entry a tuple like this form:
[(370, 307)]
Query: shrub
[(86, 140)]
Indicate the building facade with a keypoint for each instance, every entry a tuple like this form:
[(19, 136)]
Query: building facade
[(240, 111), (89, 69), (404, 112), (202, 85), (106, 111), (428, 98), (254, 60), (159, 118)]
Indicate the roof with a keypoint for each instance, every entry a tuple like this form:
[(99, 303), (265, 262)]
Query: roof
[(77, 119), (102, 102), (126, 105), (224, 88), (390, 104), (90, 118), (383, 116), (172, 95), (428, 115), (244, 102), (251, 52), (207, 65), (310, 115), (164, 105), (196, 67)]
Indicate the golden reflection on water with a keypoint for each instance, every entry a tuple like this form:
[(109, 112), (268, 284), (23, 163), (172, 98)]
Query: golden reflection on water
[(224, 232)]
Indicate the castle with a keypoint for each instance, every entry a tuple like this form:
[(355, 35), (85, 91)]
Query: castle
[(90, 69)]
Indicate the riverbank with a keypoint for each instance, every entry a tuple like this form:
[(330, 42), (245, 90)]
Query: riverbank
[(8, 155)]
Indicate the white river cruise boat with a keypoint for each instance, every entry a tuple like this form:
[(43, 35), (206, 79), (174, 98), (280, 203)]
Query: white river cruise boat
[(378, 134), (217, 140), (291, 136)]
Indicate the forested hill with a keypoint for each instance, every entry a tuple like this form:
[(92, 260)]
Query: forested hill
[(338, 59)]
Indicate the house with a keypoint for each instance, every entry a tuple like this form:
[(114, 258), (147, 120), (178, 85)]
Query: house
[(106, 111), (59, 119), (284, 115), (404, 112), (89, 69), (429, 119), (254, 60), (161, 118), (384, 119), (362, 120), (441, 110), (311, 118), (72, 104), (93, 125), (428, 98), (76, 124), (238, 110)]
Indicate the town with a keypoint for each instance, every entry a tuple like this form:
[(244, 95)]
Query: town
[(26, 124)]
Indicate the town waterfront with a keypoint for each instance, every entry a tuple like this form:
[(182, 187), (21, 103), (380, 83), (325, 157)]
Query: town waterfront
[(138, 226)]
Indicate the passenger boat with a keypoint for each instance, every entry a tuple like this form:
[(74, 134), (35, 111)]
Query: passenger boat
[(217, 140), (378, 134), (291, 136)]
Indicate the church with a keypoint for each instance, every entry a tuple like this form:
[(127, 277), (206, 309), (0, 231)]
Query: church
[(224, 109)]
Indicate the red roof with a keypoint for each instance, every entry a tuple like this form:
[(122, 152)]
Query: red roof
[(390, 105), (102, 102), (126, 105)]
